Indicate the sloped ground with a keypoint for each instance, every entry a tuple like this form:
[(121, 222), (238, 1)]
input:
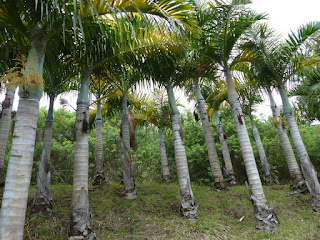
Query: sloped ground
[(155, 214)]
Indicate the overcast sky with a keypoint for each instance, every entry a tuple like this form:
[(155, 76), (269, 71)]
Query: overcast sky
[(286, 16), (283, 16)]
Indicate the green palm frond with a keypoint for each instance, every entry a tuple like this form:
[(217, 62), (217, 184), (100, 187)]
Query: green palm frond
[(60, 70), (229, 23), (305, 32), (177, 13)]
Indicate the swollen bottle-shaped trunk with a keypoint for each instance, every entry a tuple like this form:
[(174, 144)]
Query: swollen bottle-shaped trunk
[(308, 170), (80, 217), (99, 173), (188, 207), (228, 171), (163, 157), (268, 176), (129, 191), (15, 196), (265, 217), (4, 129), (298, 183), (218, 183), (42, 202)]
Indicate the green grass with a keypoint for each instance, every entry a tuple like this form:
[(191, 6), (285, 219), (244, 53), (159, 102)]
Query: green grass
[(155, 214)]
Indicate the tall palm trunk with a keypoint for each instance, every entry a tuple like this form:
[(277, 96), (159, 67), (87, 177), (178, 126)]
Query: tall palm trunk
[(218, 183), (298, 183), (99, 173), (129, 191), (80, 217), (268, 176), (188, 207), (4, 129), (42, 202), (308, 170), (163, 156), (15, 196), (265, 217), (228, 171)]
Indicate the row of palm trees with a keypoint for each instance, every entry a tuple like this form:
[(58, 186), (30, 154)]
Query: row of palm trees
[(119, 43), (92, 32)]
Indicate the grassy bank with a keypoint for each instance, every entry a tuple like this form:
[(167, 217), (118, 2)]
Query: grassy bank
[(155, 214)]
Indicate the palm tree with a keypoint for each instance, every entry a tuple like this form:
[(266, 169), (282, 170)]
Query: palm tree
[(129, 191), (308, 169), (261, 42), (58, 72), (99, 87), (163, 156), (162, 70), (31, 24), (158, 113), (307, 92), (250, 95), (4, 129), (42, 20), (131, 37), (221, 35), (298, 183), (217, 100), (188, 207), (218, 183), (196, 69), (5, 117), (283, 62)]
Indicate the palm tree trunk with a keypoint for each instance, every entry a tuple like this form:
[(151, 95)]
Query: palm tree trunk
[(268, 176), (218, 183), (80, 217), (228, 172), (265, 217), (129, 191), (298, 183), (42, 202), (163, 156), (15, 196), (308, 170), (99, 173), (188, 207), (4, 129)]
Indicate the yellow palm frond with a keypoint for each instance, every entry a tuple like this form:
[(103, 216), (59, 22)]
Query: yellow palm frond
[(16, 75)]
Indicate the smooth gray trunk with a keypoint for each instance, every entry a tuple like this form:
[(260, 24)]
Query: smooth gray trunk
[(298, 184), (80, 217), (188, 208), (228, 170), (42, 202), (163, 157), (129, 191), (218, 183), (265, 216), (4, 129), (268, 176), (99, 172), (308, 170), (15, 196)]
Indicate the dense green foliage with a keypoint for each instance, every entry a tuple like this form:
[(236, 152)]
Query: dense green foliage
[(146, 152)]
